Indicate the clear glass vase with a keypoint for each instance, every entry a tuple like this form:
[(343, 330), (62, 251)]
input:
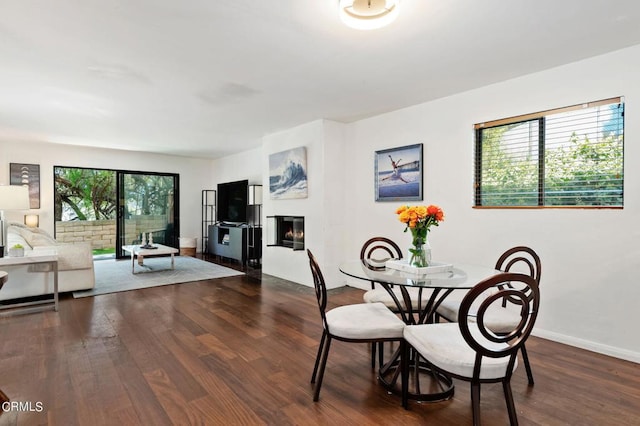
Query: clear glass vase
[(420, 255)]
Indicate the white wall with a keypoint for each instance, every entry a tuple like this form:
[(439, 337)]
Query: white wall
[(195, 175), (590, 258), (336, 220), (322, 209), (245, 165), (281, 261)]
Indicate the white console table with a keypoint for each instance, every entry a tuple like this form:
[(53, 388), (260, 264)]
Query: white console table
[(33, 258)]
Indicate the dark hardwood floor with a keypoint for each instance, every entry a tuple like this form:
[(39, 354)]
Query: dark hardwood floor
[(241, 351)]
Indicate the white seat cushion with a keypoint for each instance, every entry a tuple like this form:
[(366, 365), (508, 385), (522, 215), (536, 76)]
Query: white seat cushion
[(443, 346), (364, 321), (382, 296), (501, 320), (450, 306), (497, 318)]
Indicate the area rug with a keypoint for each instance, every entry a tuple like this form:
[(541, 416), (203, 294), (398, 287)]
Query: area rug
[(115, 275)]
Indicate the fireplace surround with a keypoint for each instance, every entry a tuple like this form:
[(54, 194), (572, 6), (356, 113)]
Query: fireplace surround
[(286, 231)]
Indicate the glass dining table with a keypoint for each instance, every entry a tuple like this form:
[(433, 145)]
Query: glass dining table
[(431, 288)]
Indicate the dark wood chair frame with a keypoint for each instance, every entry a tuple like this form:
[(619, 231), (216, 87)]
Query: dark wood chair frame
[(371, 246), (527, 296), (517, 256), (520, 255), (327, 337), (377, 244)]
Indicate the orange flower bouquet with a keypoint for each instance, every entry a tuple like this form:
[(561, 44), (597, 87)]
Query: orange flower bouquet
[(419, 219)]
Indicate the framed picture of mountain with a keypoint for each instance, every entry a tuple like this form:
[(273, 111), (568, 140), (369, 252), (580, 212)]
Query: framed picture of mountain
[(398, 173), (288, 174)]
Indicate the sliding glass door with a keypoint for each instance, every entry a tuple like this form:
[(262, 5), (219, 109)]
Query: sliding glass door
[(147, 209), (85, 207), (113, 208)]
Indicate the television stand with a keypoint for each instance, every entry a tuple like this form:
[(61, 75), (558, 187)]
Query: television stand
[(228, 240)]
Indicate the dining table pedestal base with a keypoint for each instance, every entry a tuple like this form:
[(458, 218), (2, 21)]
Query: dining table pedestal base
[(424, 383)]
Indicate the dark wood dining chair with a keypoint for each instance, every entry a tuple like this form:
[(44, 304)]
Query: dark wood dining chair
[(359, 323), (517, 259), (469, 349), (377, 251)]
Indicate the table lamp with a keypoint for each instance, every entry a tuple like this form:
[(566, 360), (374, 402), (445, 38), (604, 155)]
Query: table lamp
[(12, 197), (32, 220)]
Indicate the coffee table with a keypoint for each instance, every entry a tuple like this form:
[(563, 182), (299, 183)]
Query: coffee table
[(140, 252)]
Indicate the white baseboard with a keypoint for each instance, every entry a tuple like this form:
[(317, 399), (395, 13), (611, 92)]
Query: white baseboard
[(588, 345), (356, 283), (550, 335)]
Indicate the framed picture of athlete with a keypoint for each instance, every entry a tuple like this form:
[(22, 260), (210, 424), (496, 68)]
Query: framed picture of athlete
[(398, 173)]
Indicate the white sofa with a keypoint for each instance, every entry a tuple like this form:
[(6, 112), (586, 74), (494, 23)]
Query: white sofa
[(75, 265)]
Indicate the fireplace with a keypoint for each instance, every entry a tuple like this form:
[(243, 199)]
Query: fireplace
[(286, 231)]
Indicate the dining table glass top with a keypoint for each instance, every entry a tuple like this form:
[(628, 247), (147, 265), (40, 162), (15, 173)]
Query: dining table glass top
[(461, 276)]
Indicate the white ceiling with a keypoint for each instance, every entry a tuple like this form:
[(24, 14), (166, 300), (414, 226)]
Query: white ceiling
[(211, 77)]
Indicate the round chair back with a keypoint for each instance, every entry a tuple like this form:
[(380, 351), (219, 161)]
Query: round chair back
[(380, 249), (487, 297)]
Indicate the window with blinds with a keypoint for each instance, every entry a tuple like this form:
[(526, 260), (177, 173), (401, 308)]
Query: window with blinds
[(566, 157)]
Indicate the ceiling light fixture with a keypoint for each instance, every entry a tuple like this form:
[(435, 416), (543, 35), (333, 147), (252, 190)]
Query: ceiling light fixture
[(368, 14)]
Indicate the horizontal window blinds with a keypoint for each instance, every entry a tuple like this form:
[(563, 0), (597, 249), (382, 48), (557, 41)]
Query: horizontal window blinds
[(566, 157)]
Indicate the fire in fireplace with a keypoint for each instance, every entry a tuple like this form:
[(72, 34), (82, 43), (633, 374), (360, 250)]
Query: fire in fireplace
[(293, 235)]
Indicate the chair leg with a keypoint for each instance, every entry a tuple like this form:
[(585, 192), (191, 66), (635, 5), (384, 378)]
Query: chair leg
[(373, 354), (323, 364), (527, 366), (404, 369), (315, 367), (3, 398), (475, 403), (380, 354), (511, 407), (415, 361)]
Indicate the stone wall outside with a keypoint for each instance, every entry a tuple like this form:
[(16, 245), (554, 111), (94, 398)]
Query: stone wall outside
[(102, 233)]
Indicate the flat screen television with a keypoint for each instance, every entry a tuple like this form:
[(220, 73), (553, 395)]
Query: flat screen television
[(232, 202)]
